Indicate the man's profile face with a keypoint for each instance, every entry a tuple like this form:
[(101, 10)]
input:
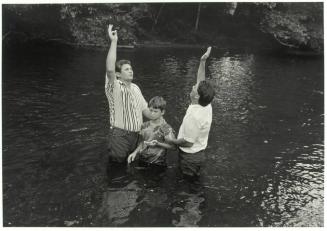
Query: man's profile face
[(194, 93)]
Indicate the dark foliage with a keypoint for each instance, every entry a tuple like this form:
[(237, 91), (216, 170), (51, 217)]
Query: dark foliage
[(295, 25)]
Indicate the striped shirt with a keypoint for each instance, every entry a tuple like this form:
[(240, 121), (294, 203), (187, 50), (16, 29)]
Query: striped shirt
[(125, 105)]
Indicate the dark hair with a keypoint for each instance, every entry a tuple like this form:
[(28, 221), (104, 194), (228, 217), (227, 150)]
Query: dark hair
[(120, 63), (158, 102), (206, 93)]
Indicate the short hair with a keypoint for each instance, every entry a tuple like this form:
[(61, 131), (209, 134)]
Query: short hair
[(158, 102), (120, 63), (206, 93)]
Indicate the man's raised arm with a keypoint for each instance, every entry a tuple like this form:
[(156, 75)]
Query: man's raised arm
[(111, 57), (202, 66)]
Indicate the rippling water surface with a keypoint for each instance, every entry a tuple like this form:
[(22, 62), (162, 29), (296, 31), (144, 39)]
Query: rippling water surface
[(265, 157)]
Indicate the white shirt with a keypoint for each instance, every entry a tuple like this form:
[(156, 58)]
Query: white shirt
[(195, 127)]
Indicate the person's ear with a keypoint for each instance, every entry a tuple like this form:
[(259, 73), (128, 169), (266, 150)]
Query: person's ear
[(118, 74), (163, 112)]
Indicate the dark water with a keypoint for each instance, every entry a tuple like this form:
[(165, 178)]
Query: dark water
[(265, 158)]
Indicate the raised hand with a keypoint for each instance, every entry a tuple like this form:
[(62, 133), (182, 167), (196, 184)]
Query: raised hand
[(206, 55), (112, 33)]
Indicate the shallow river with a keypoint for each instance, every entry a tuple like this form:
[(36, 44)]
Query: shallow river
[(265, 155)]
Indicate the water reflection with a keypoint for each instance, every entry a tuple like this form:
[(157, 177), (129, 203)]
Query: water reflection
[(264, 160), (297, 188), (188, 206), (234, 79), (117, 204)]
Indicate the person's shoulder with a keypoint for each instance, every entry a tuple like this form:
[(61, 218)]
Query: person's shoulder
[(208, 109), (195, 110), (145, 124), (209, 106), (166, 127), (111, 86), (204, 115), (115, 82), (134, 85), (197, 114), (202, 109), (136, 88)]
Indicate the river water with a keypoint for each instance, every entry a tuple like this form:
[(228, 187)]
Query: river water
[(265, 155)]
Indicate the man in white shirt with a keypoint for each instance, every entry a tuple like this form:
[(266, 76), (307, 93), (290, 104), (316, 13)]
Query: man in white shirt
[(194, 132)]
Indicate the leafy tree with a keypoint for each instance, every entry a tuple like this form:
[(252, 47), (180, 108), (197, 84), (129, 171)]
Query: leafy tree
[(297, 25), (88, 23)]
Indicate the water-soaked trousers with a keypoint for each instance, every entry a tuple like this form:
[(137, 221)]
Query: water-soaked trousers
[(190, 164), (121, 143)]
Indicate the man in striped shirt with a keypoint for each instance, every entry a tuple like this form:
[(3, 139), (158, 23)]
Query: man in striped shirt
[(126, 104)]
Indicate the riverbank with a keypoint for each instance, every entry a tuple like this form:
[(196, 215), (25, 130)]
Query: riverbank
[(243, 46), (233, 26)]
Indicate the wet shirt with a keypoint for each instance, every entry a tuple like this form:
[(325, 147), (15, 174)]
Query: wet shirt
[(125, 105), (195, 127), (155, 155)]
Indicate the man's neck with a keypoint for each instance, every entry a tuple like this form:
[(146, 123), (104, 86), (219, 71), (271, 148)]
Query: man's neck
[(194, 101), (127, 83)]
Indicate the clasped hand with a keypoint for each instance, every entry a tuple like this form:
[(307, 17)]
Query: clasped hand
[(151, 143), (132, 156)]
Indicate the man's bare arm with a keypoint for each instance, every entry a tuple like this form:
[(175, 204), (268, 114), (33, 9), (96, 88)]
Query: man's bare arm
[(112, 53), (131, 157), (154, 143), (202, 70), (179, 142)]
